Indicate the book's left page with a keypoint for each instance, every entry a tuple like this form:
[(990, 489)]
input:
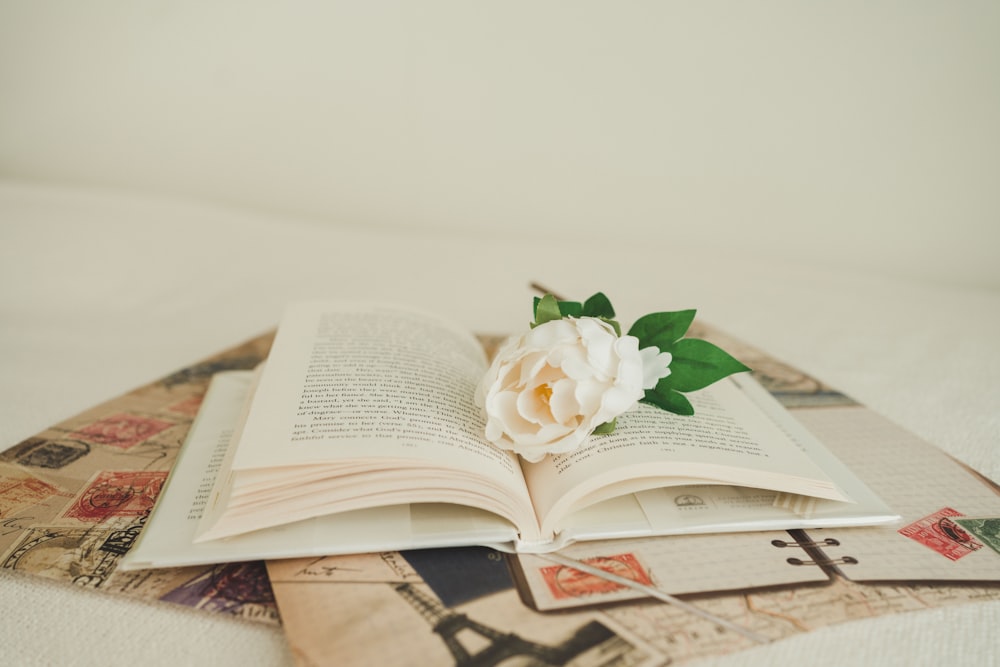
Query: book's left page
[(338, 371), (363, 405), (167, 539)]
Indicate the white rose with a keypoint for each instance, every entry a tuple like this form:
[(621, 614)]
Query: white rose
[(547, 390)]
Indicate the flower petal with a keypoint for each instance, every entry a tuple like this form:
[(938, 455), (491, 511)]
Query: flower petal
[(655, 365), (548, 390), (563, 403)]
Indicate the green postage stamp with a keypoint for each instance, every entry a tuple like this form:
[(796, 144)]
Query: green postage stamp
[(986, 529)]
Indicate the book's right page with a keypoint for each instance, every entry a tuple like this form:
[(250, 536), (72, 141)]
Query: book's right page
[(924, 485), (652, 476)]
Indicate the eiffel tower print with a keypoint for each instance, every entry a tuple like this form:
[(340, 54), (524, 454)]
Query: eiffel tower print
[(501, 646)]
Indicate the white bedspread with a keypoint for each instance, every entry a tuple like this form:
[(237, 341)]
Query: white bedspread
[(102, 291)]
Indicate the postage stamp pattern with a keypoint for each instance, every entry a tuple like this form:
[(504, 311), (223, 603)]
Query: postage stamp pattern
[(68, 554), (986, 529), (122, 430), (240, 589), (22, 491), (111, 494), (565, 582), (65, 517), (188, 406), (940, 532), (45, 453)]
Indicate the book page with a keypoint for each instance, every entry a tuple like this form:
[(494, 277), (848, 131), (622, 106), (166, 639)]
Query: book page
[(346, 381), (167, 539), (361, 406), (729, 440)]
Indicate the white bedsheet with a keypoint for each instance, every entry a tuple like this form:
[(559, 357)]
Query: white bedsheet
[(103, 291)]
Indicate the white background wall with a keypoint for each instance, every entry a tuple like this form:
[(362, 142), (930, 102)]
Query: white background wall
[(849, 133)]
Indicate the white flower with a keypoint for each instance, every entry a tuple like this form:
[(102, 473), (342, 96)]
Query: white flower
[(547, 390), (655, 365)]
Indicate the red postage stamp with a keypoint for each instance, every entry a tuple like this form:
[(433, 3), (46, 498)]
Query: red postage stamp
[(110, 494), (122, 430), (940, 532), (189, 406), (22, 490), (565, 582)]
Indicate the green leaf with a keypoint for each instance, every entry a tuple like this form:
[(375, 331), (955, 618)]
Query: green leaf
[(599, 306), (665, 397), (553, 310), (571, 308), (698, 363), (546, 310), (662, 330), (606, 427)]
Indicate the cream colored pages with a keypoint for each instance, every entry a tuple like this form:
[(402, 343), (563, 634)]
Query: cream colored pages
[(729, 440), (349, 379), (362, 405), (167, 538)]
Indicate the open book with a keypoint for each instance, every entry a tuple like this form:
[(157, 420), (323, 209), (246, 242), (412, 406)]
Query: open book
[(361, 434)]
